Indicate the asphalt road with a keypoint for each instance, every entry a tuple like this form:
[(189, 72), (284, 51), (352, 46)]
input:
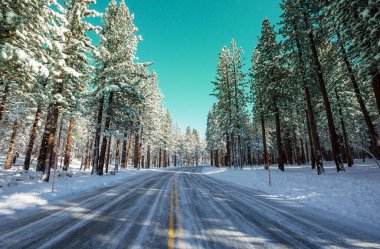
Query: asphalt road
[(180, 208)]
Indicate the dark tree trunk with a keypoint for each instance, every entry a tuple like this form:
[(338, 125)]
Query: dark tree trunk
[(41, 162), (249, 156), (117, 156), (376, 85), (217, 158), (297, 148), (104, 141), (141, 147), (288, 149), (137, 150), (130, 141), (124, 152), (228, 149), (52, 121), (265, 151), (8, 161), (278, 138), (95, 163), (148, 156), (66, 162), (344, 131), (303, 156), (32, 138), (108, 154), (84, 156), (315, 147), (48, 138), (311, 142), (88, 156), (4, 100), (159, 158), (326, 101), (165, 157)]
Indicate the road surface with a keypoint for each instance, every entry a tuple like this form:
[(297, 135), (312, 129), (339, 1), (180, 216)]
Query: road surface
[(179, 208)]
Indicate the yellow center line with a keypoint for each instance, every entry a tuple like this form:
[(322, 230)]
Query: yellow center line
[(171, 222), (179, 225)]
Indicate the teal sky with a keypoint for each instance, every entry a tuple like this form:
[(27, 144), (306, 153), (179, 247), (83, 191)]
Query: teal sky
[(183, 39)]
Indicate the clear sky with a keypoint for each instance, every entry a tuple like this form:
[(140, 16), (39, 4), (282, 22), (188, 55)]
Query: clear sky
[(183, 39)]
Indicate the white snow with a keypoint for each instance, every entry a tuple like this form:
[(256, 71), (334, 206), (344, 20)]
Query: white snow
[(353, 194), (22, 190)]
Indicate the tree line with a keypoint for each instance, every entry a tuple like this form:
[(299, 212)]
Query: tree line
[(64, 97), (314, 86)]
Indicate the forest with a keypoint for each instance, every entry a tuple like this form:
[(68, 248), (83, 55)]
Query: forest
[(233, 124), (312, 91), (62, 97)]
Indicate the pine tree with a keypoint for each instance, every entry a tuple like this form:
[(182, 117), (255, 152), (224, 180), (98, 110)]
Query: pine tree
[(118, 76), (268, 73)]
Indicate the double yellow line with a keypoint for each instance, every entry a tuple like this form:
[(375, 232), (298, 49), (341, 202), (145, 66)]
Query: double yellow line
[(171, 232)]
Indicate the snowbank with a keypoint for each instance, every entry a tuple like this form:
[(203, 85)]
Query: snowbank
[(354, 193), (20, 190)]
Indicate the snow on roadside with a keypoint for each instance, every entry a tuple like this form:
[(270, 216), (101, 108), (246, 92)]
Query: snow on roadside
[(24, 190), (354, 194)]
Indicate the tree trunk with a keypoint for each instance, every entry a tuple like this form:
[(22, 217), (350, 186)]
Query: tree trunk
[(278, 138), (52, 121), (148, 156), (315, 147), (87, 161), (159, 158), (297, 147), (104, 141), (165, 157), (228, 149), (124, 152), (311, 142), (56, 154), (326, 101), (344, 131), (4, 100), (376, 85), (117, 157), (217, 158), (129, 149), (66, 162), (141, 147), (265, 151), (84, 156), (108, 154), (95, 162), (137, 149), (303, 156), (288, 149), (8, 161), (32, 138), (41, 161)]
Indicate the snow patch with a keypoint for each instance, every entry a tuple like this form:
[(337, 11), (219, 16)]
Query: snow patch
[(353, 194)]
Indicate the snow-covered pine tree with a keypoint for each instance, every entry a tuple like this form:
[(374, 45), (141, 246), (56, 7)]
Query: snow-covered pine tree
[(268, 72), (229, 89), (118, 76), (69, 73), (359, 23)]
